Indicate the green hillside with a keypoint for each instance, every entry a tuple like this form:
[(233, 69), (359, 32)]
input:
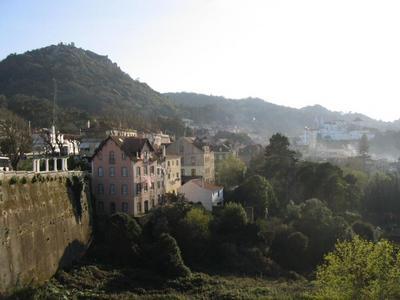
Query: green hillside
[(90, 86)]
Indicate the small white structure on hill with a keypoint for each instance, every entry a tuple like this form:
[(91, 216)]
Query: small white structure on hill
[(197, 190)]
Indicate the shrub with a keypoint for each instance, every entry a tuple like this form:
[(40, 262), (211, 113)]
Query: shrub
[(23, 180), (122, 239), (34, 179), (360, 269), (364, 230), (13, 180), (168, 259), (231, 218)]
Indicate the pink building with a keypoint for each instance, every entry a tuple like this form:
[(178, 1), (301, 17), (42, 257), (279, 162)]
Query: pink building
[(126, 176)]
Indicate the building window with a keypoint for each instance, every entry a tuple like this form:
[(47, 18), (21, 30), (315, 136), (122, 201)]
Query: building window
[(100, 172), (145, 187), (168, 163), (124, 172), (139, 207), (145, 170), (111, 157), (112, 207), (146, 206), (138, 188), (112, 189), (177, 175), (158, 184), (153, 202), (101, 206), (123, 155), (152, 170), (137, 171), (112, 171), (158, 171), (183, 172), (125, 207), (124, 189), (100, 189), (152, 185), (177, 162), (182, 161), (193, 172)]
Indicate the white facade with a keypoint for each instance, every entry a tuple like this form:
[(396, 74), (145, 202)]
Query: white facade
[(209, 195), (41, 142), (339, 131), (157, 139)]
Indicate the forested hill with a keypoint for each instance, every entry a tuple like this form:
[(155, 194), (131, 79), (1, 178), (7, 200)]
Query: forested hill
[(258, 115), (92, 87), (89, 86)]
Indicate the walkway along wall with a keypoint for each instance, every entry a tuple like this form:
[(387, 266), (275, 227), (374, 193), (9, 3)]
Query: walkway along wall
[(45, 224)]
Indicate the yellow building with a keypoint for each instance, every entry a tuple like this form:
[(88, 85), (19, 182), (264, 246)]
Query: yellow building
[(172, 177)]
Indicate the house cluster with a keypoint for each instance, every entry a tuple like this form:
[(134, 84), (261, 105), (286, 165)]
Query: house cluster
[(133, 171), (132, 174)]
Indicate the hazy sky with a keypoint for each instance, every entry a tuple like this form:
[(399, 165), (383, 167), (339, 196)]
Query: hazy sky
[(343, 54)]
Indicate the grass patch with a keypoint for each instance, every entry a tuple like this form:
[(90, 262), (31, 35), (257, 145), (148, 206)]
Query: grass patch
[(104, 282)]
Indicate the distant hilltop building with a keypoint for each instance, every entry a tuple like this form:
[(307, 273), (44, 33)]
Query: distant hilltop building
[(342, 131), (333, 131)]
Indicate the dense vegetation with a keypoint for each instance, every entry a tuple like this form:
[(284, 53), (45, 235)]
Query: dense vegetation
[(313, 225)]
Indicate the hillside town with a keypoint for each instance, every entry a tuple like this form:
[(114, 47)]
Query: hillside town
[(133, 171)]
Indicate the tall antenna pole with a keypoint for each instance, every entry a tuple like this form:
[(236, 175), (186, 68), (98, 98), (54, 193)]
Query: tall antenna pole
[(54, 101)]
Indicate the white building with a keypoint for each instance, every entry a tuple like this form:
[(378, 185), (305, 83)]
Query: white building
[(197, 190), (157, 139), (122, 132), (340, 131), (47, 139)]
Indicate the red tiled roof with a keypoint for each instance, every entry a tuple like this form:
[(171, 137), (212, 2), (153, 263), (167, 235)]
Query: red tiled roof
[(205, 185)]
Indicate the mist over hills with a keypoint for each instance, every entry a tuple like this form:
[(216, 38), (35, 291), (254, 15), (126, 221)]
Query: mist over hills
[(92, 87), (260, 116)]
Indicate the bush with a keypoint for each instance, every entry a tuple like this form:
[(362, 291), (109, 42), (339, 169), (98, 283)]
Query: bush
[(168, 257), (364, 230), (34, 179), (360, 269), (23, 180), (13, 180), (230, 220), (193, 235), (122, 239)]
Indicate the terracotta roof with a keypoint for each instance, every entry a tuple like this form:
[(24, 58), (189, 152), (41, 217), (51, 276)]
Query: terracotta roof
[(205, 185)]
